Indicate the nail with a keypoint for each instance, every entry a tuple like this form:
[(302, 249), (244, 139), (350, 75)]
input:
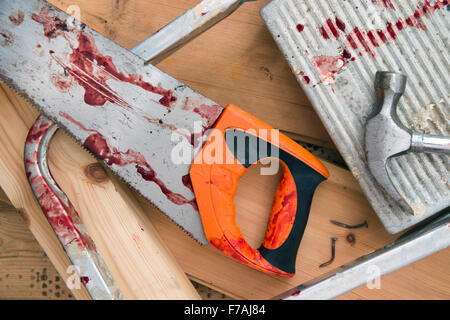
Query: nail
[(344, 225), (333, 249)]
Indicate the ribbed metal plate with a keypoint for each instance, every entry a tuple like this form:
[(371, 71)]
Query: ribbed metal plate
[(334, 48)]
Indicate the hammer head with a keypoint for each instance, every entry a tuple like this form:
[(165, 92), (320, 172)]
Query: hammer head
[(385, 135)]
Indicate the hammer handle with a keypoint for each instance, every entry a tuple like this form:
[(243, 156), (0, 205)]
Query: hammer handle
[(430, 144)]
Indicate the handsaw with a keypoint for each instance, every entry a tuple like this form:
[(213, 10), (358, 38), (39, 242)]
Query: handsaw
[(136, 118)]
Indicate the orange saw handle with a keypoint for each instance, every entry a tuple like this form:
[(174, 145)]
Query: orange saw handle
[(238, 141)]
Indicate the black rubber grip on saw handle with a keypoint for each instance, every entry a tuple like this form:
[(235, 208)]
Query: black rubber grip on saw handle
[(306, 180)]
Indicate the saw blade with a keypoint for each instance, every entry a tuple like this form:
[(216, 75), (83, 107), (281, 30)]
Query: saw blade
[(144, 124)]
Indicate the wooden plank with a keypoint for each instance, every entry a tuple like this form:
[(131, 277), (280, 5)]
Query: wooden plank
[(27, 273), (138, 259), (203, 262), (25, 270), (136, 275), (235, 62), (224, 73), (339, 198), (15, 184), (428, 278)]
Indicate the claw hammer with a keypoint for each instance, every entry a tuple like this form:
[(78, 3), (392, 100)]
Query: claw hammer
[(386, 137)]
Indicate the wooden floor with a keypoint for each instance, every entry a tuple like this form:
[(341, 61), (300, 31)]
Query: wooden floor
[(25, 270), (247, 70), (27, 273)]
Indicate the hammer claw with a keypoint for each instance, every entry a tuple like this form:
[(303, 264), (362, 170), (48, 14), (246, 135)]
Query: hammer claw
[(386, 136)]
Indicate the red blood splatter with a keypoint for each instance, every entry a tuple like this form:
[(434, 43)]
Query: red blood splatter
[(340, 24), (358, 39), (58, 214), (186, 180), (91, 69), (16, 18), (209, 113), (384, 3), (245, 255), (196, 138), (366, 41), (84, 279), (61, 82), (300, 27), (328, 66), (296, 293), (98, 145), (324, 32), (7, 38), (97, 93), (137, 240), (331, 29), (203, 13), (160, 123), (150, 175), (62, 216), (412, 21), (305, 79), (281, 222), (346, 54), (79, 124), (37, 131), (53, 26)]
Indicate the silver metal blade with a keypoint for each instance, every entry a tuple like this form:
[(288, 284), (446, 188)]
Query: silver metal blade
[(180, 31), (129, 114)]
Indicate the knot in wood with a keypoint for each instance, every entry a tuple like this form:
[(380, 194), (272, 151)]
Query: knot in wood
[(96, 173), (351, 238)]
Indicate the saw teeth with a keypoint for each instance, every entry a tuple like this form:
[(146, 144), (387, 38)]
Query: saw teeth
[(10, 84)]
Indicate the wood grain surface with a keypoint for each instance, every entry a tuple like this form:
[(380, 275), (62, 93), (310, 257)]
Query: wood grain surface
[(27, 273), (234, 62), (25, 270), (119, 217)]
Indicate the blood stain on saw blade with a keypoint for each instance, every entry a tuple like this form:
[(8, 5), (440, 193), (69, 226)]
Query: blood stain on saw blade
[(7, 38), (16, 18), (92, 77)]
